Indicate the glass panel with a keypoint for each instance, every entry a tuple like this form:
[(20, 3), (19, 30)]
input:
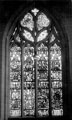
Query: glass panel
[(42, 80), (15, 81), (28, 81), (42, 21), (17, 38), (35, 11), (28, 35), (16, 35), (56, 75), (27, 21), (55, 30), (56, 80), (55, 56), (56, 84), (43, 102), (52, 38), (42, 35), (57, 108), (15, 31), (29, 101)]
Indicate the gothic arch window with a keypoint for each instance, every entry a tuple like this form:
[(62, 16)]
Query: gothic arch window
[(35, 67)]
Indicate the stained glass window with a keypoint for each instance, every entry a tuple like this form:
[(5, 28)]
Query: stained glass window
[(35, 68)]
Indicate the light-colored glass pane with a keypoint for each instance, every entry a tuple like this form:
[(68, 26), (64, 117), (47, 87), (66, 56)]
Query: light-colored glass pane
[(42, 21), (57, 112), (35, 11), (28, 36), (42, 35), (27, 21)]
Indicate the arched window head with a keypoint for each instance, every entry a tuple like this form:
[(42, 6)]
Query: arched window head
[(35, 67)]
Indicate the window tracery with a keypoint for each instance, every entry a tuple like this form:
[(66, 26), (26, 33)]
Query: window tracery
[(32, 61)]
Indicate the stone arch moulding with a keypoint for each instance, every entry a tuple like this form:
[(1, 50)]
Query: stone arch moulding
[(5, 45)]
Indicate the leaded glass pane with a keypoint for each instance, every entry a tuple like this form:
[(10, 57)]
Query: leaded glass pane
[(42, 79), (52, 38), (42, 21), (35, 11), (15, 81), (28, 81), (28, 35), (27, 21), (55, 30), (17, 38), (42, 35)]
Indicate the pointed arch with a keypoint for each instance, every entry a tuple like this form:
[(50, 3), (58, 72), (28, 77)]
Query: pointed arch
[(61, 40)]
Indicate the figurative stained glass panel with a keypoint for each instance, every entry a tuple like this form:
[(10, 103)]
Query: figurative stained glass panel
[(56, 80), (15, 81), (27, 21), (42, 21), (57, 107), (42, 79), (28, 81)]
